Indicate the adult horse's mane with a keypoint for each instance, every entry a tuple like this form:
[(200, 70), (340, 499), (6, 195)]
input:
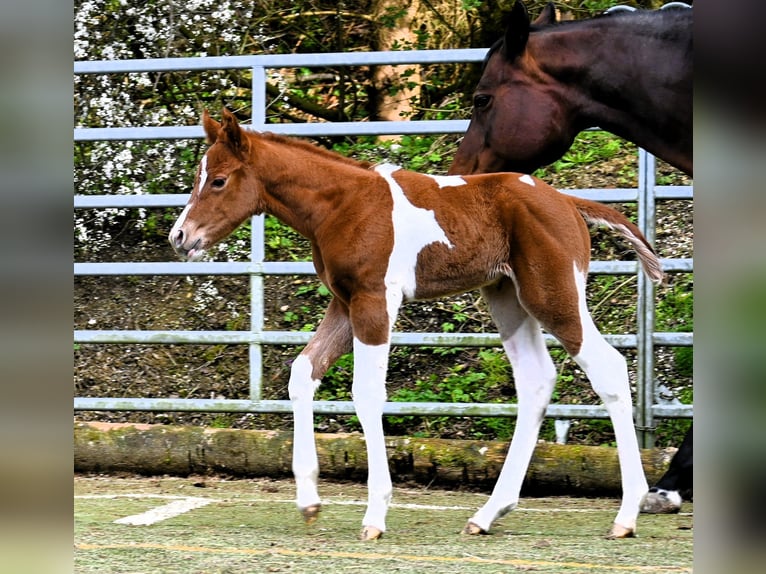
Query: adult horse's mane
[(637, 19)]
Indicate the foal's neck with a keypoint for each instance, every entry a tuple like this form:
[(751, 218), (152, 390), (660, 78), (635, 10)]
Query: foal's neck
[(302, 183)]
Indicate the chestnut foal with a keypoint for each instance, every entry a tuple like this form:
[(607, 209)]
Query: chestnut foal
[(381, 235)]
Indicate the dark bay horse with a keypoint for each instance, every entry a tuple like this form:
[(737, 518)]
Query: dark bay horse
[(629, 73), (381, 235)]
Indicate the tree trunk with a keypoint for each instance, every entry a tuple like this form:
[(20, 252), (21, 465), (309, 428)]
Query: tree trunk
[(394, 87), (161, 449)]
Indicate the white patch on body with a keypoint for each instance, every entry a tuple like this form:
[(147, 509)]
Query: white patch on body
[(527, 179), (414, 228), (447, 180)]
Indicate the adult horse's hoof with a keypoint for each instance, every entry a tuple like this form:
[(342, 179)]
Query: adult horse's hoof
[(658, 501), (311, 513), (370, 533), (619, 531), (473, 529)]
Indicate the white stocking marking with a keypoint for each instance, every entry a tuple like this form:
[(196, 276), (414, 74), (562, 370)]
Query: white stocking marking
[(305, 462), (608, 373), (534, 374), (369, 393)]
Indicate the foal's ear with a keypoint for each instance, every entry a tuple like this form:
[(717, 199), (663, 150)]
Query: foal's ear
[(546, 17), (232, 133), (516, 31), (212, 128)]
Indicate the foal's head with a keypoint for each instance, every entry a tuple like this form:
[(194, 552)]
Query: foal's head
[(518, 123), (223, 194)]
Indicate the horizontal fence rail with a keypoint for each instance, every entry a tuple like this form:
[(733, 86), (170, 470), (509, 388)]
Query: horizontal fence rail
[(645, 195)]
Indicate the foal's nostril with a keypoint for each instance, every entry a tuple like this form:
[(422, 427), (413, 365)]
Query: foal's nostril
[(178, 240)]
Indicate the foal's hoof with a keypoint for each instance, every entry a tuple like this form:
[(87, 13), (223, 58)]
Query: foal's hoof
[(473, 529), (658, 501), (311, 513), (619, 531), (370, 533)]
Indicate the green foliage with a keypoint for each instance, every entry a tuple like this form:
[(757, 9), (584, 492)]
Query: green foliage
[(484, 382), (222, 421), (588, 147), (426, 154), (336, 384), (675, 312), (284, 243)]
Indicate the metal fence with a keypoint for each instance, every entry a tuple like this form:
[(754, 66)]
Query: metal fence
[(645, 195)]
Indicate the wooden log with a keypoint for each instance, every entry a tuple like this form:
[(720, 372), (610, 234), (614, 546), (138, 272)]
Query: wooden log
[(186, 450)]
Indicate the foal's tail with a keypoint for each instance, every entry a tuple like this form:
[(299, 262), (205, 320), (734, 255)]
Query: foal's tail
[(600, 214)]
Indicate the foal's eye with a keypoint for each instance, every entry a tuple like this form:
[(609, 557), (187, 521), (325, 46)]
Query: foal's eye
[(218, 183), (481, 100)]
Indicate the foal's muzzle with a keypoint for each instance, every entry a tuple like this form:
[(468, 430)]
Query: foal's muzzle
[(177, 238)]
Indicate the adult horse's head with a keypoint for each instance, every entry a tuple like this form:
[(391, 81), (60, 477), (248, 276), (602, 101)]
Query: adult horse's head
[(223, 193), (518, 121)]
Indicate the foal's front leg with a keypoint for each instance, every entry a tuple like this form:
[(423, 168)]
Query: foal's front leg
[(369, 393), (331, 340), (372, 319)]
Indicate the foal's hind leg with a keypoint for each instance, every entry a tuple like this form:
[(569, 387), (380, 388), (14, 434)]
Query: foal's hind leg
[(534, 376), (607, 370), (331, 340)]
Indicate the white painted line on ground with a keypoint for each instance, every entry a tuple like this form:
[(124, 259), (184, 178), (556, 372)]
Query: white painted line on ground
[(127, 495), (169, 510), (180, 505), (175, 508)]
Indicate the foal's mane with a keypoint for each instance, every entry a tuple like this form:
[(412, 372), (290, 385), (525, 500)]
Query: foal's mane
[(315, 149)]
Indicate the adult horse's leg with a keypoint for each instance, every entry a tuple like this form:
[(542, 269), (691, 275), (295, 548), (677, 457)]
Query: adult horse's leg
[(331, 340), (535, 375), (676, 484), (608, 373)]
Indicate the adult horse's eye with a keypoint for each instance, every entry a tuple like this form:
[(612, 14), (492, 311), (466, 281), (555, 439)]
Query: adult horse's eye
[(218, 183), (481, 101)]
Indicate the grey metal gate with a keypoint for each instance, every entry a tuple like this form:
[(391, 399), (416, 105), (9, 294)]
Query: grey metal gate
[(645, 195)]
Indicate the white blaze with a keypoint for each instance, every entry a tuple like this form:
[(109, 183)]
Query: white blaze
[(202, 179), (202, 173)]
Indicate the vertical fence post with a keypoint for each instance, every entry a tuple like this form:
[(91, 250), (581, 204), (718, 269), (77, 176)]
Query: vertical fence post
[(257, 249), (645, 311), (257, 255), (258, 97)]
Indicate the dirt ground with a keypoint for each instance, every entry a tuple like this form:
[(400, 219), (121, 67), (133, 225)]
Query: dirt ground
[(241, 526)]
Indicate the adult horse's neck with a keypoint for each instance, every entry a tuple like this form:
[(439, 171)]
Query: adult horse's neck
[(632, 80), (302, 183)]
